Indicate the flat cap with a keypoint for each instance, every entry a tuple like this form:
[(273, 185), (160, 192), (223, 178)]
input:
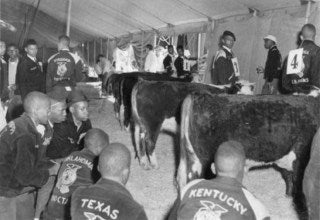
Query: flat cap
[(229, 33), (76, 96)]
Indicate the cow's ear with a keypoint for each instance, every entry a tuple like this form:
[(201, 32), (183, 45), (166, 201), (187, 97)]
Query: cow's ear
[(213, 169)]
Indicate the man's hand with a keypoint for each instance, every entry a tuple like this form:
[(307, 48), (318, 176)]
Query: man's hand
[(260, 70)]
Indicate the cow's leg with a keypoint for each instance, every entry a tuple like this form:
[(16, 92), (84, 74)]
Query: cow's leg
[(153, 160), (137, 141), (144, 162), (121, 116)]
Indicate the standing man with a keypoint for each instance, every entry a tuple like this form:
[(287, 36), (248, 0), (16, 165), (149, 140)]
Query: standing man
[(30, 76), (273, 66), (15, 106), (76, 171), (3, 71), (179, 63), (223, 197), (22, 168), (168, 61), (304, 81), (151, 60), (109, 191), (222, 70), (67, 135), (13, 53), (64, 68)]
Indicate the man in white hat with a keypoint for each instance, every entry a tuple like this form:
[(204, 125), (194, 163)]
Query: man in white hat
[(273, 66)]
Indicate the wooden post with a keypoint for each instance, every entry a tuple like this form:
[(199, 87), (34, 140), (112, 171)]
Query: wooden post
[(68, 18), (308, 12)]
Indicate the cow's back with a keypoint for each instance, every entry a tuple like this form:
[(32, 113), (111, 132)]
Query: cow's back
[(269, 127)]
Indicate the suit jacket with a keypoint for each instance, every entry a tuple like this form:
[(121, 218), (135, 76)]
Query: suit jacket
[(3, 80)]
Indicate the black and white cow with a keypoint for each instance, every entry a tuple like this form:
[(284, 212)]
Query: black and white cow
[(121, 85), (153, 102), (275, 130)]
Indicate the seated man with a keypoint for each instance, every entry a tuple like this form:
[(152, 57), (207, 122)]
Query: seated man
[(22, 166), (223, 197), (75, 171), (108, 198), (68, 134), (57, 115)]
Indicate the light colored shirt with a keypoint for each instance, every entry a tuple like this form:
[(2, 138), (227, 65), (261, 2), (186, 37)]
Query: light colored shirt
[(12, 70), (151, 62)]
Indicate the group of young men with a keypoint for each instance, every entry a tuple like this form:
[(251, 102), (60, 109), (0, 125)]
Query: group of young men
[(276, 75), (51, 149), (171, 63)]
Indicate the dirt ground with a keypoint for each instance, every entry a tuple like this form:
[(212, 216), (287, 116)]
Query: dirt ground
[(154, 189)]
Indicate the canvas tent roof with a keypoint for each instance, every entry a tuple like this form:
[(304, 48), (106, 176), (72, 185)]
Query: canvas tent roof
[(116, 18)]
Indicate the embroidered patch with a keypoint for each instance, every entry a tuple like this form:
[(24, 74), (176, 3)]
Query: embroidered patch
[(209, 211), (67, 178), (92, 216)]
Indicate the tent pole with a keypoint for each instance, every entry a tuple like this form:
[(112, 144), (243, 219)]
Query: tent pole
[(199, 49), (107, 49), (142, 48), (101, 50), (69, 18), (94, 51), (308, 11)]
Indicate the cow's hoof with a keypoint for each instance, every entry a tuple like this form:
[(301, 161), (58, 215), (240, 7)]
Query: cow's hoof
[(155, 166), (144, 163)]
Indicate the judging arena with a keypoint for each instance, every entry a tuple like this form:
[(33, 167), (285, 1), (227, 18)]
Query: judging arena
[(160, 110)]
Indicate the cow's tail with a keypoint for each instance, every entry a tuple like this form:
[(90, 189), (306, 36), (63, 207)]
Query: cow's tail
[(184, 141), (136, 121)]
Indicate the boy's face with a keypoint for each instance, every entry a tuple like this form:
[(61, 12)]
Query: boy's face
[(32, 50), (2, 48)]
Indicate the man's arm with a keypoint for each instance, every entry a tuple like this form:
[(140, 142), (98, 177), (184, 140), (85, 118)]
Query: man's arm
[(315, 71), (27, 171)]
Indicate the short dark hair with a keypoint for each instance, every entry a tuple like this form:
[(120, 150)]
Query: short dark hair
[(12, 45), (229, 33), (149, 46), (170, 46), (30, 42), (180, 47), (311, 27), (64, 39)]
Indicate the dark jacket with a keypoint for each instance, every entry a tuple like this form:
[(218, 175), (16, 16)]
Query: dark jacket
[(222, 198), (3, 79), (223, 72), (29, 76), (66, 137), (311, 58), (273, 64), (167, 64), (178, 64), (111, 196), (21, 164), (64, 69), (76, 171)]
